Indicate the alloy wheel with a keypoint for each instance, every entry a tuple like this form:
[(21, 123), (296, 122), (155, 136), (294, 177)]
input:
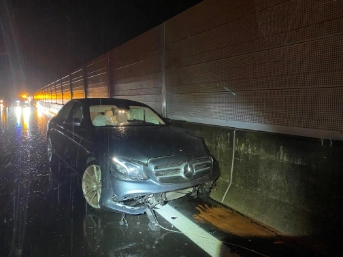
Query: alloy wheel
[(50, 150), (91, 185)]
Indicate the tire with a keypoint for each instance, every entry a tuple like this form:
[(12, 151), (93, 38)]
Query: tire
[(51, 152), (91, 184)]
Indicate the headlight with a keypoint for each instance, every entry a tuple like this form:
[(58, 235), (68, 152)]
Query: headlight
[(129, 169)]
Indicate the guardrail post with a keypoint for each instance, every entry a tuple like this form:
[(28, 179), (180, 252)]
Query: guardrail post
[(85, 84), (71, 87), (163, 71), (109, 84)]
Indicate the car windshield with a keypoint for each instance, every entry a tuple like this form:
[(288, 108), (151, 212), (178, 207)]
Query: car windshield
[(111, 115)]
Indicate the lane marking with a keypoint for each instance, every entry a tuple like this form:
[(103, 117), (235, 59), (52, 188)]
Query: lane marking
[(199, 236)]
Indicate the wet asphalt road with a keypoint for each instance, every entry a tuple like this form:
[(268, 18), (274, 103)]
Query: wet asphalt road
[(43, 212)]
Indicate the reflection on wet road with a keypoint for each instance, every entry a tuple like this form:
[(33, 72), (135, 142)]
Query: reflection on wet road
[(43, 212)]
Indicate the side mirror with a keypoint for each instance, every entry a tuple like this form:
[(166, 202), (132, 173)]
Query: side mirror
[(167, 121), (76, 122)]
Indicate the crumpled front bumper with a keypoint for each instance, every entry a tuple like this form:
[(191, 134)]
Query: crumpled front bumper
[(115, 191)]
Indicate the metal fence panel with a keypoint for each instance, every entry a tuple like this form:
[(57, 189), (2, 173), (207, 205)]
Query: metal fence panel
[(97, 78), (258, 65), (59, 92), (136, 69), (263, 65), (78, 84), (66, 90)]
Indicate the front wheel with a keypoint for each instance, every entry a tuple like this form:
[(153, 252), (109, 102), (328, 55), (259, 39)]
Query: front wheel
[(91, 185)]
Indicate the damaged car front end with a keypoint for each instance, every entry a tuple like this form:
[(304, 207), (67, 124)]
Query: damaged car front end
[(163, 179)]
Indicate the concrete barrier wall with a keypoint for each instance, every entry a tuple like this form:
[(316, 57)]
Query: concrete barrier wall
[(289, 183)]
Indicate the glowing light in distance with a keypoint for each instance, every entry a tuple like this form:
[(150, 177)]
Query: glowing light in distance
[(18, 113), (26, 113)]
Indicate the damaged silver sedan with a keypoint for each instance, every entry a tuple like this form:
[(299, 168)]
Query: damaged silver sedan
[(129, 157)]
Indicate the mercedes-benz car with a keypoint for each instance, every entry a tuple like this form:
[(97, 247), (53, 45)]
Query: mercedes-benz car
[(129, 157)]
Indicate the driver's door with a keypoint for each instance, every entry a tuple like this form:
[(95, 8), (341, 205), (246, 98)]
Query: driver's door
[(73, 127)]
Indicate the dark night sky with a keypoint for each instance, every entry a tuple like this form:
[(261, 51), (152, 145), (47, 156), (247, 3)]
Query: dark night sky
[(42, 40)]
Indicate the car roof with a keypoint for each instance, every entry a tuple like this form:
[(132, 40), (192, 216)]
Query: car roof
[(120, 103)]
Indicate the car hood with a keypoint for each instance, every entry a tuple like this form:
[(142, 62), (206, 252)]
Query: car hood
[(142, 143)]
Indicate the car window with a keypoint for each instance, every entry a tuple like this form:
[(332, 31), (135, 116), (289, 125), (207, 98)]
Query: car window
[(111, 115), (75, 114), (103, 115), (65, 110), (137, 113)]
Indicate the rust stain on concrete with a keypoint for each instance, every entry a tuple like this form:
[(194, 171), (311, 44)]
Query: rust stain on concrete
[(230, 221)]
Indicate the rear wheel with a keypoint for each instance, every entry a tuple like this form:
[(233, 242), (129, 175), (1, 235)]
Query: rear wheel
[(51, 151), (91, 185)]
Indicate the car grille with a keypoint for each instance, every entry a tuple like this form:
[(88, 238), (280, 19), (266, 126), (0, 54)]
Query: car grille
[(174, 172)]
